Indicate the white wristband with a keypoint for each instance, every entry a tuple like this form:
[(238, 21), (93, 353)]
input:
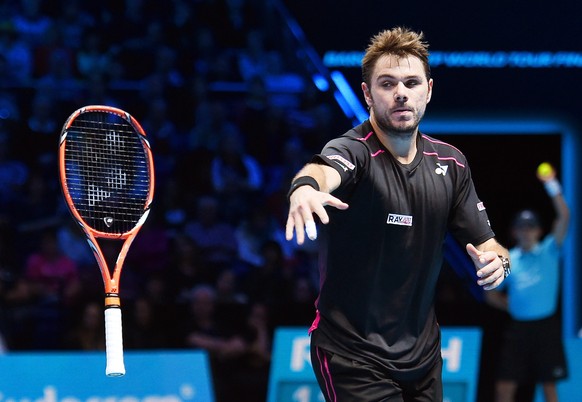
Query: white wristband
[(553, 187)]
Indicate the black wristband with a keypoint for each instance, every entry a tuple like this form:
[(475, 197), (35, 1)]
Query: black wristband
[(302, 181)]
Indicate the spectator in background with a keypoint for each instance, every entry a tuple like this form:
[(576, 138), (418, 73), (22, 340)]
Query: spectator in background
[(237, 177), (150, 251), (279, 174), (213, 237), (250, 376), (30, 22), (255, 230), (13, 172), (231, 304), (181, 26), (87, 330), (37, 211), (203, 330), (60, 79), (228, 288), (92, 58), (234, 17), (15, 56), (145, 326), (186, 268), (54, 284), (163, 134), (205, 51), (298, 310), (98, 91), (53, 275), (171, 199), (270, 282), (73, 243), (211, 126), (253, 60), (10, 113), (37, 144), (52, 48), (312, 119), (533, 349), (72, 23), (166, 66), (261, 124)]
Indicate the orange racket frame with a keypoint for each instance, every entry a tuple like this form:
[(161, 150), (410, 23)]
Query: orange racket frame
[(113, 332)]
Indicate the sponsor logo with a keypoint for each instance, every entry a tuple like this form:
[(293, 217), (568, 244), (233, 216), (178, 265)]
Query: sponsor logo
[(441, 169), (343, 162), (481, 206), (50, 393), (402, 220)]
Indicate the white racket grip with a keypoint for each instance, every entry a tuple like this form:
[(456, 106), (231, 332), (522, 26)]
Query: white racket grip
[(114, 342)]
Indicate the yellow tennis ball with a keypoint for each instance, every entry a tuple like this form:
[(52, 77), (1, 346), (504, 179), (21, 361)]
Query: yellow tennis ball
[(545, 169)]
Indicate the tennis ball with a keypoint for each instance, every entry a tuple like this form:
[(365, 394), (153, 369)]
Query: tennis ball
[(545, 170)]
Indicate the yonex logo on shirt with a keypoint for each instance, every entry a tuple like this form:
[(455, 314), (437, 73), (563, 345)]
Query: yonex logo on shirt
[(441, 169), (402, 220)]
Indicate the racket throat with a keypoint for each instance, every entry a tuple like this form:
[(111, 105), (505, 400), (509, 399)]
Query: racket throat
[(112, 300)]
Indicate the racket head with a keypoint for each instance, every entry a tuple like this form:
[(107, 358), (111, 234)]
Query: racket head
[(106, 171)]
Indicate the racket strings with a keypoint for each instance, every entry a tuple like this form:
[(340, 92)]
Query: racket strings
[(107, 172)]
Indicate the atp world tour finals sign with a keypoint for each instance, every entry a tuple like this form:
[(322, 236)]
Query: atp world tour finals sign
[(292, 378)]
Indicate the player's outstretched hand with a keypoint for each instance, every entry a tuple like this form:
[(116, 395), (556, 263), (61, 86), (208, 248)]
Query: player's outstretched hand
[(304, 203), (489, 267)]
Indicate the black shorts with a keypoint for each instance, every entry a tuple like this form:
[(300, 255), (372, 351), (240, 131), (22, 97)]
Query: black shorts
[(346, 380), (533, 351)]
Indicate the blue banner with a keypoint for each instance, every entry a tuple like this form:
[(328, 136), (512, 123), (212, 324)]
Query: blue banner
[(292, 378), (80, 377)]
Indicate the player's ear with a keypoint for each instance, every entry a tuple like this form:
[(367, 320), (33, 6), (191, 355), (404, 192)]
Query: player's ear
[(429, 95), (367, 94)]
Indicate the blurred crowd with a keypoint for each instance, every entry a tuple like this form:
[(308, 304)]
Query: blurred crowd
[(231, 113)]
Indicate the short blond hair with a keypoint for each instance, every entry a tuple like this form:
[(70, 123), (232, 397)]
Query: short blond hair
[(399, 41)]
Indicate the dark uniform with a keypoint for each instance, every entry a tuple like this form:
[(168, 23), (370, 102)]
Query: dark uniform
[(380, 261)]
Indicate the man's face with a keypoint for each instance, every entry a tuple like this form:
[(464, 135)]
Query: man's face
[(527, 236), (398, 94)]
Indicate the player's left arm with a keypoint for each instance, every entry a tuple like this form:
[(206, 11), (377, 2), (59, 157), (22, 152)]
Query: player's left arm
[(487, 258)]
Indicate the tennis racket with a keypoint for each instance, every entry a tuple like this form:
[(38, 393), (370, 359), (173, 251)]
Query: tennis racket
[(107, 177)]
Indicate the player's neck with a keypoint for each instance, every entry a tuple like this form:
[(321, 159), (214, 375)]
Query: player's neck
[(401, 145)]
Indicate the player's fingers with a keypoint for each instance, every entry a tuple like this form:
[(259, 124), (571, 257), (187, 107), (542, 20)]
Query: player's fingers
[(491, 281), (294, 224), (311, 229), (320, 211), (334, 202), (308, 221), (299, 230), (289, 227), (489, 274), (473, 253)]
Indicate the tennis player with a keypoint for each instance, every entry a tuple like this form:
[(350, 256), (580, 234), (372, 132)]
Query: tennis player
[(387, 195)]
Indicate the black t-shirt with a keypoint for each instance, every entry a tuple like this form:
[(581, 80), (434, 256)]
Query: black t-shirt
[(381, 258)]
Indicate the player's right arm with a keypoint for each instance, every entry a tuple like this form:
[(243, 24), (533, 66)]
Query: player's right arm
[(554, 190), (306, 200)]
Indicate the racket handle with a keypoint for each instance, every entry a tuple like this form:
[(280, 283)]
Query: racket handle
[(114, 342)]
